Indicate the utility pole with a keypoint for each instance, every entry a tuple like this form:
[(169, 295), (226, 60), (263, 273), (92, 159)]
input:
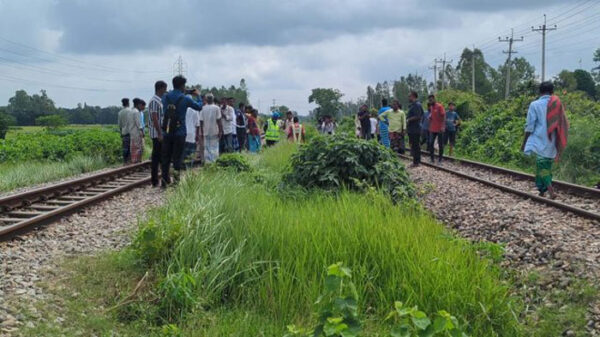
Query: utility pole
[(435, 63), (444, 71), (473, 70), (179, 67), (543, 28), (510, 51)]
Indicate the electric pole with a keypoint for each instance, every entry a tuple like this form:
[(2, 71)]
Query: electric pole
[(510, 51), (473, 70), (544, 29), (179, 67), (444, 71), (435, 63)]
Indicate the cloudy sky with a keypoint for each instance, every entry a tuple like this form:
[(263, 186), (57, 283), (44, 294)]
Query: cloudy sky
[(99, 51)]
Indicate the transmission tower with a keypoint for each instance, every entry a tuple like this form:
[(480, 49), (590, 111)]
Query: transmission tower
[(180, 67)]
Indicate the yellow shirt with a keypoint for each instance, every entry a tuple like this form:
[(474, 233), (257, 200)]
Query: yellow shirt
[(396, 120)]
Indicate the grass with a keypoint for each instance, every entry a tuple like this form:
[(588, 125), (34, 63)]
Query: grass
[(31, 173), (230, 255)]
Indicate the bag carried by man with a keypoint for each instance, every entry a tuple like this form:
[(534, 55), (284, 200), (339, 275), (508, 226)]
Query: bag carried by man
[(171, 120)]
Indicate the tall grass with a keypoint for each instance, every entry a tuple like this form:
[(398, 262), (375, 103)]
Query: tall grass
[(225, 240), (30, 173)]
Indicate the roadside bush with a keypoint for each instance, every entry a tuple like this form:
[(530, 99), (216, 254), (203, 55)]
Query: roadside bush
[(234, 161), (341, 161), (50, 146), (468, 104)]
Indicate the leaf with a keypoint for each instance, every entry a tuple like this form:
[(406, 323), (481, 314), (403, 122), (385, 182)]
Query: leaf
[(400, 331), (421, 322)]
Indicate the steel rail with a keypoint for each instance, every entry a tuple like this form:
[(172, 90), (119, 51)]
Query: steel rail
[(526, 195)]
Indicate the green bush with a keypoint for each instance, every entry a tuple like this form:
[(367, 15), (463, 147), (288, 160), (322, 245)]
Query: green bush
[(6, 120), (467, 103), (496, 135), (234, 161), (61, 146), (341, 161), (51, 121)]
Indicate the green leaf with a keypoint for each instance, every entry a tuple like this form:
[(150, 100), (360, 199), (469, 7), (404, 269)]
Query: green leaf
[(421, 322), (400, 331)]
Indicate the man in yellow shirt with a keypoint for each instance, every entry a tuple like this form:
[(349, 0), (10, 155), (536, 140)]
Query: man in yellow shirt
[(396, 125)]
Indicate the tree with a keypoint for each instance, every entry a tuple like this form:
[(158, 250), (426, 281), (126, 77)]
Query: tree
[(51, 121), (522, 73), (585, 82), (328, 101), (25, 109), (565, 80), (483, 72), (6, 120), (596, 70)]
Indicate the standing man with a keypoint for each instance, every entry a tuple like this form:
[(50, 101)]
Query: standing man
[(437, 127), (546, 133), (365, 122), (211, 128), (241, 123), (228, 126), (136, 130), (383, 127), (123, 121), (396, 125), (175, 103), (413, 126), (155, 110), (452, 121), (192, 125)]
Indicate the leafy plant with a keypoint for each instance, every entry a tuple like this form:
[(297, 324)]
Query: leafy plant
[(343, 161), (338, 307), (411, 322), (234, 161), (51, 121)]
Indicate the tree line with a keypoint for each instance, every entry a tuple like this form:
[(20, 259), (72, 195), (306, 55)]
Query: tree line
[(490, 84)]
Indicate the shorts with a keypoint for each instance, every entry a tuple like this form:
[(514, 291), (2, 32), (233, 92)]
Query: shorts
[(450, 138)]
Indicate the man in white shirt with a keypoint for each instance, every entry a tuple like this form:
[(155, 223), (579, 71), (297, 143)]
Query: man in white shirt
[(192, 124), (211, 128), (228, 116)]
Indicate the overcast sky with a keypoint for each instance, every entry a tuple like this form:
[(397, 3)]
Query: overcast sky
[(99, 51)]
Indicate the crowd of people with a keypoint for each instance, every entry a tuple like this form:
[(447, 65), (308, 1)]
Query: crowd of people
[(391, 126), (187, 127)]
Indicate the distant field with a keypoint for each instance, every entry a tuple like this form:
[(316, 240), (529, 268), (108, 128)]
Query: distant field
[(33, 129)]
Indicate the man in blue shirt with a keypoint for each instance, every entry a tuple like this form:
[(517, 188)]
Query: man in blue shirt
[(174, 128), (537, 142), (452, 121)]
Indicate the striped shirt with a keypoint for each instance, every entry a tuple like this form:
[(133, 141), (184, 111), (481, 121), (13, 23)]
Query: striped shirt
[(155, 108)]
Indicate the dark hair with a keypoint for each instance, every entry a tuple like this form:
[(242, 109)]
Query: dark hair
[(414, 94), (138, 101), (160, 85), (397, 102), (546, 88), (431, 96), (296, 119), (125, 101), (241, 104), (179, 82), (384, 102), (451, 103)]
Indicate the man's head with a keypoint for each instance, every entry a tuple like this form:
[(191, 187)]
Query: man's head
[(289, 115), (413, 96), (254, 113), (125, 102), (275, 116), (364, 107), (546, 88), (139, 104), (249, 109), (451, 106), (210, 99), (384, 102), (230, 101), (242, 106), (431, 99), (396, 105), (160, 87), (179, 82)]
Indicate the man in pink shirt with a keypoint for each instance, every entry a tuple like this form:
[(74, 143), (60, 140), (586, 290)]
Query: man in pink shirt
[(437, 127)]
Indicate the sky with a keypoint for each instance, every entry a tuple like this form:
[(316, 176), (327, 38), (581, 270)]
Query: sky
[(100, 51)]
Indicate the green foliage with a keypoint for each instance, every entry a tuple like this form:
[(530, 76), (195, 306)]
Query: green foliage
[(337, 307), (51, 121), (328, 101), (467, 104), (411, 322), (6, 120), (496, 135), (234, 161), (63, 146), (341, 161)]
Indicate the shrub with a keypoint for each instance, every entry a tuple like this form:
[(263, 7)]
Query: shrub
[(234, 161), (467, 104), (51, 121), (343, 161), (6, 120)]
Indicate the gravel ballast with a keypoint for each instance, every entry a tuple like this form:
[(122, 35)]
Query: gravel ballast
[(107, 225)]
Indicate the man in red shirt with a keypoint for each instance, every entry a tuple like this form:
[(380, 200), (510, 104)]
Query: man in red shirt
[(437, 127)]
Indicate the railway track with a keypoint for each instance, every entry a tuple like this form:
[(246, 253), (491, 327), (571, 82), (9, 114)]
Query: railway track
[(581, 200), (32, 208)]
